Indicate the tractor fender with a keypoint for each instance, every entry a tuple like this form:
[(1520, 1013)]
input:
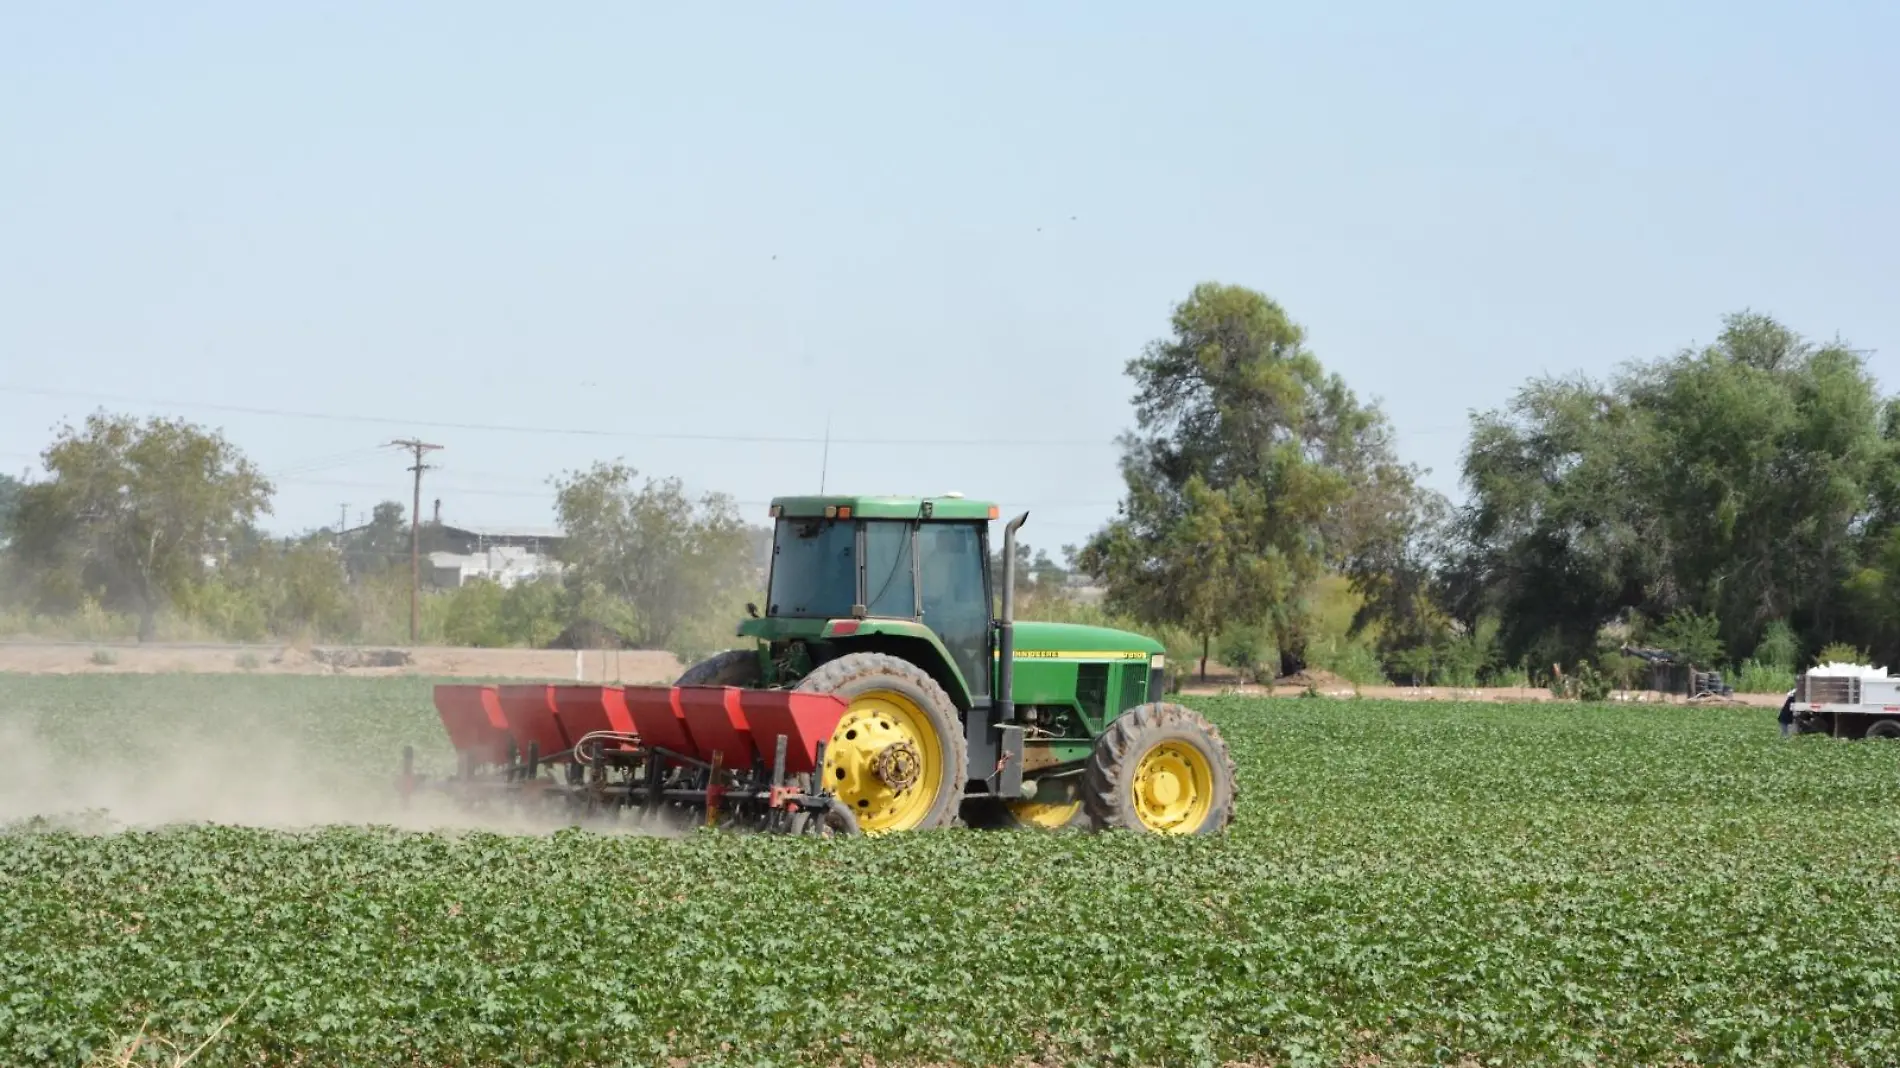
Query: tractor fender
[(908, 640)]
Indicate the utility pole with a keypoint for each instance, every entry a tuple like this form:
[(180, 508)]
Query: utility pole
[(418, 447), (342, 521)]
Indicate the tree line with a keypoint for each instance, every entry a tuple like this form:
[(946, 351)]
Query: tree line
[(1736, 503), (152, 527)]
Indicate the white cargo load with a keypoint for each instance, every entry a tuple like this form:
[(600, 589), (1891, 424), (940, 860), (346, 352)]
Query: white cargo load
[(1849, 685)]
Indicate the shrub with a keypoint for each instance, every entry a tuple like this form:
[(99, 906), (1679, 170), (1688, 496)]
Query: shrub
[(1778, 648), (1840, 653), (1353, 661), (1585, 684), (1757, 677), (1412, 666), (1625, 672), (1692, 636), (1515, 676), (1249, 652)]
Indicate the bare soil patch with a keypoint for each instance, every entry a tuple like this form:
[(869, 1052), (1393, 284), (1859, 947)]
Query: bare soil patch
[(1223, 680)]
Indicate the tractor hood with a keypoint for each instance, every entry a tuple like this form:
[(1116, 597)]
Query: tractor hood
[(1075, 641)]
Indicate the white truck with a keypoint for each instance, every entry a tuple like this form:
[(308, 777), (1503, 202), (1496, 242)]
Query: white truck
[(1847, 701)]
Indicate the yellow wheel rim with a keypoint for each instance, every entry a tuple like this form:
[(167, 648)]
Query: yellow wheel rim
[(1173, 788), (1048, 815), (885, 761)]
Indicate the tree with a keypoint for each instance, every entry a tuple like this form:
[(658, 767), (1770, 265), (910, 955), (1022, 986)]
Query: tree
[(380, 544), (1552, 542), (1396, 568), (1741, 481), (1037, 575), (647, 562), (134, 513), (1872, 592), (10, 488), (1253, 471)]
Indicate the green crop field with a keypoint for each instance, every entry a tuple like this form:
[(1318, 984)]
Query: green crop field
[(1408, 883)]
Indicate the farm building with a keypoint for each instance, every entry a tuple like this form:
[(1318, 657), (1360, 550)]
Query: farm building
[(505, 555), (504, 564)]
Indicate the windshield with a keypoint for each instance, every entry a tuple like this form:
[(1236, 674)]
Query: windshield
[(814, 569)]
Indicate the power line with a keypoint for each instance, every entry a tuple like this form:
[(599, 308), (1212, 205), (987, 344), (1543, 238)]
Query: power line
[(545, 495), (507, 428), (824, 439)]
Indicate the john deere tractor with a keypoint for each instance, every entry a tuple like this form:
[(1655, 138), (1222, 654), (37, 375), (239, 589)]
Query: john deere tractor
[(954, 711)]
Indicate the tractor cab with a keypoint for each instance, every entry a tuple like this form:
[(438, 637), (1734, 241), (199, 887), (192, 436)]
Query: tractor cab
[(904, 565)]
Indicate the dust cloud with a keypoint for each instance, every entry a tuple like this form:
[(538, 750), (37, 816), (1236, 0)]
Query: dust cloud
[(245, 773)]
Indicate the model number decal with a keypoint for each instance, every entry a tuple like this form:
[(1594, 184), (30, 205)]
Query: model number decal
[(1064, 654)]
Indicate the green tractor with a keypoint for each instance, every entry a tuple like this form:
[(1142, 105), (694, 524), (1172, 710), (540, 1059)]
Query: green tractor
[(953, 712)]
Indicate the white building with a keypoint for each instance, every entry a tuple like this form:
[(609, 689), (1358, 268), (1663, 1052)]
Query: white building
[(503, 564)]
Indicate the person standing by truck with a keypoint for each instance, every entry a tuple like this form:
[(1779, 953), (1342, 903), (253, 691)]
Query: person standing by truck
[(1787, 715)]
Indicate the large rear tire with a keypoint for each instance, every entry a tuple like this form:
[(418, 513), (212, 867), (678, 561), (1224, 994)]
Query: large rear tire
[(898, 757), (1161, 768), (734, 667)]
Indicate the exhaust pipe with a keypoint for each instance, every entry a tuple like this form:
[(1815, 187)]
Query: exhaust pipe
[(1006, 638)]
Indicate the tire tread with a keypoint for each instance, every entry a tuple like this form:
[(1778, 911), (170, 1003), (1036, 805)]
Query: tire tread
[(1107, 805), (837, 674), (734, 667)]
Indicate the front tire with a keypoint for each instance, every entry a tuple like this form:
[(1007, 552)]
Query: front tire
[(898, 757), (1161, 768)]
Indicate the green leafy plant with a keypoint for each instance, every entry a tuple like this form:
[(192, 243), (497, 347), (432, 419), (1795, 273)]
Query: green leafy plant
[(1474, 883)]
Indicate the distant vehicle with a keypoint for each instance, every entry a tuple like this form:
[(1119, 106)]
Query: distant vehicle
[(1847, 701)]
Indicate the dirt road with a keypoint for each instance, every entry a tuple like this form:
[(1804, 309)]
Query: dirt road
[(601, 665)]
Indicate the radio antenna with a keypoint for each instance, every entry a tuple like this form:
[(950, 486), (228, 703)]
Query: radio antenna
[(824, 464)]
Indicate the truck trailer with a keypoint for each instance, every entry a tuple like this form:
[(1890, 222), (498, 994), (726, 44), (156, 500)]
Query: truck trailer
[(1847, 701)]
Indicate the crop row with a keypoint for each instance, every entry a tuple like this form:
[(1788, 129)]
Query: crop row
[(1419, 883)]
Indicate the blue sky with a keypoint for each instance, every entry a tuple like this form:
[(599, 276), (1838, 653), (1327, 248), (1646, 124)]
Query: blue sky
[(943, 227)]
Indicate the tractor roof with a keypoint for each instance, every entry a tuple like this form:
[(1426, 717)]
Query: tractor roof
[(945, 506)]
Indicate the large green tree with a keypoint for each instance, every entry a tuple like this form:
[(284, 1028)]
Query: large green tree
[(133, 513), (380, 545), (1872, 594), (1742, 480), (1252, 471), (649, 563), (10, 488)]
